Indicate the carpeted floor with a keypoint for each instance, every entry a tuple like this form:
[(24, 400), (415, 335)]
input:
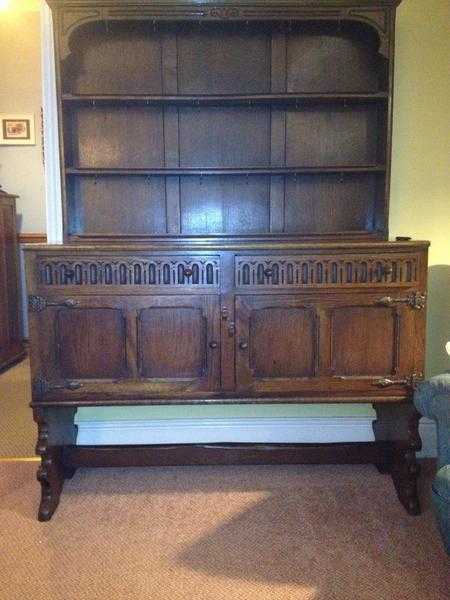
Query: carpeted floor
[(17, 429), (218, 533)]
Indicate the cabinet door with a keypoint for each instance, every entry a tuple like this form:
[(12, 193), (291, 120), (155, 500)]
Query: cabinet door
[(348, 343), (128, 347), (276, 343), (178, 342)]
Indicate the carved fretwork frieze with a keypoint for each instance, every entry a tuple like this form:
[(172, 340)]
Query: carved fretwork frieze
[(320, 271), (164, 271)]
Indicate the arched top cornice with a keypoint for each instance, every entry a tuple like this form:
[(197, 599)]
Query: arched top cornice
[(70, 19)]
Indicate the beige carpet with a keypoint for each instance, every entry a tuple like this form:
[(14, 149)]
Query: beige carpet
[(218, 533), (17, 429)]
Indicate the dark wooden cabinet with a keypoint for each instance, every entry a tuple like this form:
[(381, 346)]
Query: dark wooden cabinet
[(225, 192), (332, 344), (11, 344)]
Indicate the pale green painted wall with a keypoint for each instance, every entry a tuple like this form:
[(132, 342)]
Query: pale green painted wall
[(420, 203)]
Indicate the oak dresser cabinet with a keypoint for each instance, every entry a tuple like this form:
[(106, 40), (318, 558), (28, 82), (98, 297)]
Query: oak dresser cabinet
[(225, 173), (11, 344)]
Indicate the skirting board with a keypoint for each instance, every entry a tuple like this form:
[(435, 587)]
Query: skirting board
[(243, 430)]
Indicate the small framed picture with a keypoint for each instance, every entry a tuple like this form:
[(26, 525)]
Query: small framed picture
[(17, 130)]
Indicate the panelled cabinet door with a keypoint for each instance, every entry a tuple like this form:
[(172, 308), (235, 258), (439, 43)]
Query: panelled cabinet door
[(352, 343), (277, 341), (374, 341), (141, 346), (178, 343)]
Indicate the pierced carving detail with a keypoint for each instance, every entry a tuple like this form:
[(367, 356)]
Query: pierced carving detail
[(326, 271), (162, 271)]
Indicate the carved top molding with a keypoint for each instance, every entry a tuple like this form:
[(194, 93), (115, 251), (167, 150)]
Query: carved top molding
[(234, 3), (75, 13)]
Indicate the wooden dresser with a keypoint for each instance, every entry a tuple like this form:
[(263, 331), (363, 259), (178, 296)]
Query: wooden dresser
[(225, 174), (11, 345)]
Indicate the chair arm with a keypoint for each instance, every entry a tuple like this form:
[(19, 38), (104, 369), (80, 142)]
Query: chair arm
[(432, 398)]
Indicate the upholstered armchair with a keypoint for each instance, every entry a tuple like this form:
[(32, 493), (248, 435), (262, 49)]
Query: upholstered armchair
[(432, 399)]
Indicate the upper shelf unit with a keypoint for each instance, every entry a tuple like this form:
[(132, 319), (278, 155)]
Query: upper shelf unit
[(225, 127)]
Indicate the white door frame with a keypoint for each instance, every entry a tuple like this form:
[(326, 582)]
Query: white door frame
[(52, 181)]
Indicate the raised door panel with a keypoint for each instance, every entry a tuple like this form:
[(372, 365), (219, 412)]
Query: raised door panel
[(281, 342), (277, 341), (90, 343), (364, 340), (178, 344), (372, 337), (172, 342)]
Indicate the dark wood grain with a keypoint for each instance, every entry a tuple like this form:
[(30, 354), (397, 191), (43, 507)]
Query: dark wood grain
[(172, 342), (91, 343), (11, 346), (115, 205), (211, 60)]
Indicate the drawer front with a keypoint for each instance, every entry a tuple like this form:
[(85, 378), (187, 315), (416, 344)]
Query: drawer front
[(322, 271), (145, 273)]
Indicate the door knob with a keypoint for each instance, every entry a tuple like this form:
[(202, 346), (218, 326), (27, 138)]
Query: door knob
[(213, 344), (243, 345)]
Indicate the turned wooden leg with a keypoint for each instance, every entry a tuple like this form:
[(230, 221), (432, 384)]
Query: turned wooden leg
[(55, 429), (51, 477), (399, 425)]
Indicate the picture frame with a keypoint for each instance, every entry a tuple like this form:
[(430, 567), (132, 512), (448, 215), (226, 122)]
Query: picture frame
[(17, 130)]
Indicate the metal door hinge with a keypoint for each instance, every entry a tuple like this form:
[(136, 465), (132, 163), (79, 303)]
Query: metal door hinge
[(41, 386), (415, 300), (410, 381), (39, 303)]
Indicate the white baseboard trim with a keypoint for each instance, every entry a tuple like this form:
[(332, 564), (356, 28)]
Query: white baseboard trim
[(262, 430)]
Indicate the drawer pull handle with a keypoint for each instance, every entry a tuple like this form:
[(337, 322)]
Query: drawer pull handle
[(243, 345), (187, 272), (417, 301), (268, 272), (213, 345)]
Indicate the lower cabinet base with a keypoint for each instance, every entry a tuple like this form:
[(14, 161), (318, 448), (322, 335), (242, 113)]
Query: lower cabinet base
[(396, 434)]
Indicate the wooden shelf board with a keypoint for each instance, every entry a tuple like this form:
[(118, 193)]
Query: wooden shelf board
[(221, 99), (226, 171)]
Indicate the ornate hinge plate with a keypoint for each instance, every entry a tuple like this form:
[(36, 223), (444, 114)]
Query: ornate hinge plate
[(39, 303), (41, 386), (415, 300), (410, 381)]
